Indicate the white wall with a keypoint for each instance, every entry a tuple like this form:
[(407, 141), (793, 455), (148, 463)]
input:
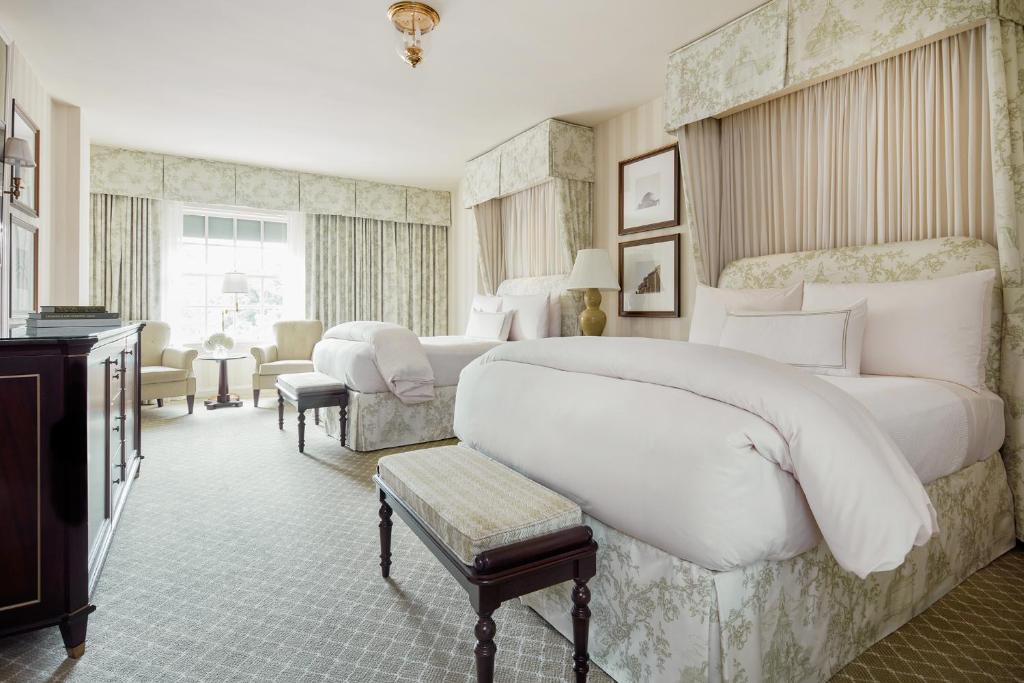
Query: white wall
[(69, 173)]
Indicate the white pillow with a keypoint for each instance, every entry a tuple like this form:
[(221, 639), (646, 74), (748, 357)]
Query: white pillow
[(483, 302), (489, 325), (922, 328), (711, 306), (531, 318), (826, 342)]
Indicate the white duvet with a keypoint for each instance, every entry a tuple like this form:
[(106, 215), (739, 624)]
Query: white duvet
[(716, 456), (398, 354)]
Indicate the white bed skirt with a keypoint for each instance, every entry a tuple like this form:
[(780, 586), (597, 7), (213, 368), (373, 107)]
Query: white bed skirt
[(659, 618), (380, 420)]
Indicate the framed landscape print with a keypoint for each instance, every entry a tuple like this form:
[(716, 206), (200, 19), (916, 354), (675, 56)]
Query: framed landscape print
[(649, 191), (649, 277), (23, 127), (24, 271)]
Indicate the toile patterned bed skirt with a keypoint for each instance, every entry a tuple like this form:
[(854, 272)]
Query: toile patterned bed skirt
[(382, 421), (659, 618)]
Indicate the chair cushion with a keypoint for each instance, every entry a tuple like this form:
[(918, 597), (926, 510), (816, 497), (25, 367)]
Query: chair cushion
[(280, 367), (309, 383), (472, 503), (152, 374)]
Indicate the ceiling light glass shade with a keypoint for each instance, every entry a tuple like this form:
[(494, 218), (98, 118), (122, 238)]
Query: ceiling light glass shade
[(592, 270), (235, 283), (18, 152), (414, 22)]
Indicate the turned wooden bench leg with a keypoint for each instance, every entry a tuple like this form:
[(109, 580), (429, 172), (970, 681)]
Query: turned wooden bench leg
[(280, 411), (302, 430), (485, 648), (580, 629), (385, 536), (316, 415)]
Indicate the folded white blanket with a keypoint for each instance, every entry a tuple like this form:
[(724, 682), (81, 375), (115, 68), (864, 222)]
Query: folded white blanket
[(870, 506), (399, 356)]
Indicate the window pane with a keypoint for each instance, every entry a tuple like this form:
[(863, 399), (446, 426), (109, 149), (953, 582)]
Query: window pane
[(265, 322), (213, 321), (222, 228), (217, 298), (273, 292), (248, 230), (190, 328), (193, 290), (220, 259), (243, 324), (273, 258), (193, 257), (194, 226), (253, 297), (247, 258), (275, 232)]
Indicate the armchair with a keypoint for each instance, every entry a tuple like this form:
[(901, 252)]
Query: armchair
[(291, 352), (166, 370)]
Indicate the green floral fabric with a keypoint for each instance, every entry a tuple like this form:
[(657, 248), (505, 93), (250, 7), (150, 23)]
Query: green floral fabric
[(124, 255), (383, 421), (660, 618)]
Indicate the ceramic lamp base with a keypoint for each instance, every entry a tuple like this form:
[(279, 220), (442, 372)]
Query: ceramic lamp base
[(592, 319)]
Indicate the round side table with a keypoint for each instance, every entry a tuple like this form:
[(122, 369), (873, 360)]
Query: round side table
[(224, 397)]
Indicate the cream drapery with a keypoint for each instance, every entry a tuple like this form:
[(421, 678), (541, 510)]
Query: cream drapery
[(124, 250), (491, 246), (367, 269), (531, 241), (898, 150)]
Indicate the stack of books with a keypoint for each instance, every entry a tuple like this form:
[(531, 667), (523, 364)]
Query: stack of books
[(70, 320)]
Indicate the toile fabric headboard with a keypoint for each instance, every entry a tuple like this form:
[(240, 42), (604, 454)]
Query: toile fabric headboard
[(571, 302), (890, 262)]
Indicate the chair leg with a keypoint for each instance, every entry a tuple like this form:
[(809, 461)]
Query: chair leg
[(316, 415), (191, 400), (280, 411), (159, 403), (385, 536), (255, 398), (485, 648), (580, 629), (302, 431)]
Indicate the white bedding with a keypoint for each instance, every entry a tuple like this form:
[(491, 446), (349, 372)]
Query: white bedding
[(697, 450), (353, 362)]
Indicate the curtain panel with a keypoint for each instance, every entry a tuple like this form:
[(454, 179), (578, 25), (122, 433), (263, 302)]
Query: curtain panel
[(124, 255), (369, 269), (491, 252), (530, 238)]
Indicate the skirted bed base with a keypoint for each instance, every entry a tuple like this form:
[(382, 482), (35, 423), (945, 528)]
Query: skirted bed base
[(659, 618), (382, 421)]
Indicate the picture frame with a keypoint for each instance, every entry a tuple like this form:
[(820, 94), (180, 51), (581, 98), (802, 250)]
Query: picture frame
[(649, 277), (22, 126), (649, 196), (23, 284)]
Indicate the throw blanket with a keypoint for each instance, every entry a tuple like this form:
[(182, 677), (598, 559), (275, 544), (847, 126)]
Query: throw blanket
[(399, 356), (868, 503)]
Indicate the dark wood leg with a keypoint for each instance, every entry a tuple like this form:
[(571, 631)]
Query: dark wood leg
[(302, 430), (316, 415), (385, 536), (341, 424), (580, 629), (222, 383), (280, 411), (191, 401), (72, 630), (159, 403), (485, 648), (255, 398)]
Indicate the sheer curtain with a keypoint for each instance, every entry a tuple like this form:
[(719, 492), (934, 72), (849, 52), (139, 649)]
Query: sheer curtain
[(124, 248), (532, 243), (491, 250)]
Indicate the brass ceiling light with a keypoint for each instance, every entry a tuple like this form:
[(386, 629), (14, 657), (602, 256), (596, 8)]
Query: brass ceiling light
[(414, 21)]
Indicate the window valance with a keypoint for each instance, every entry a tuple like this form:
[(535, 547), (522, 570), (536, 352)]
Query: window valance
[(784, 44), (551, 149), (160, 176)]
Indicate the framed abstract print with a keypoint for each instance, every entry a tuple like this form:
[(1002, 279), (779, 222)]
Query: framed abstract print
[(649, 277), (649, 191), (23, 127), (24, 271)]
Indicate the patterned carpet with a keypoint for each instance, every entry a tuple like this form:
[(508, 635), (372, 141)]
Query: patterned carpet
[(238, 559)]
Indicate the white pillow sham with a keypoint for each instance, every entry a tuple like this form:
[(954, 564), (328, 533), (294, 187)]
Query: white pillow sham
[(531, 315), (826, 342), (483, 302), (711, 305), (935, 329), (489, 325)]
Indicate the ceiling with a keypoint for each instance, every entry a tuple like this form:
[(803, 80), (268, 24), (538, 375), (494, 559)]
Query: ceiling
[(316, 85)]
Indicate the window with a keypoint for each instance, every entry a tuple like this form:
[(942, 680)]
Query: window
[(214, 243)]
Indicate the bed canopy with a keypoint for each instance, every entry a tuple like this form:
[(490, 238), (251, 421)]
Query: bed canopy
[(796, 120)]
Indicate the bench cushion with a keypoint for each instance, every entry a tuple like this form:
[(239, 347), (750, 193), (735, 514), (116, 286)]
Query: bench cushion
[(302, 383), (472, 503)]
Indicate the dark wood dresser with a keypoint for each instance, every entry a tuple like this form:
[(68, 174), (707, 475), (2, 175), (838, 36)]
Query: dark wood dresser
[(70, 438)]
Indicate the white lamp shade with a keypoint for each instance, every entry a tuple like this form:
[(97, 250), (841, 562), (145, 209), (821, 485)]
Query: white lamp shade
[(18, 152), (235, 283), (593, 270)]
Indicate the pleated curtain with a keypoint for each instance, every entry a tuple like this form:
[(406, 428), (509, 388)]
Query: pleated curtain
[(124, 251), (367, 269), (531, 241), (491, 245)]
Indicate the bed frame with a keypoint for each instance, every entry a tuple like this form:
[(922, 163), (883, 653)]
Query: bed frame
[(657, 617)]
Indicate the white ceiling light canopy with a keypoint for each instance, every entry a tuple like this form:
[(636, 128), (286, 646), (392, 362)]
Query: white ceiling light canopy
[(414, 21)]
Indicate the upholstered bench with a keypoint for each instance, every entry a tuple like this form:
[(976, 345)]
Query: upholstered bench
[(306, 390), (498, 533)]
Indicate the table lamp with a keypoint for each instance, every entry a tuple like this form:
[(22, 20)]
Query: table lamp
[(234, 283), (593, 272)]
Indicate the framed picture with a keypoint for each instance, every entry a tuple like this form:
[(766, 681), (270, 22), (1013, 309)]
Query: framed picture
[(23, 127), (649, 277), (649, 191), (24, 271)]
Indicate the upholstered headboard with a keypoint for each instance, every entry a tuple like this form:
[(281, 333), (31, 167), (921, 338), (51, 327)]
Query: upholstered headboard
[(891, 262), (549, 284)]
